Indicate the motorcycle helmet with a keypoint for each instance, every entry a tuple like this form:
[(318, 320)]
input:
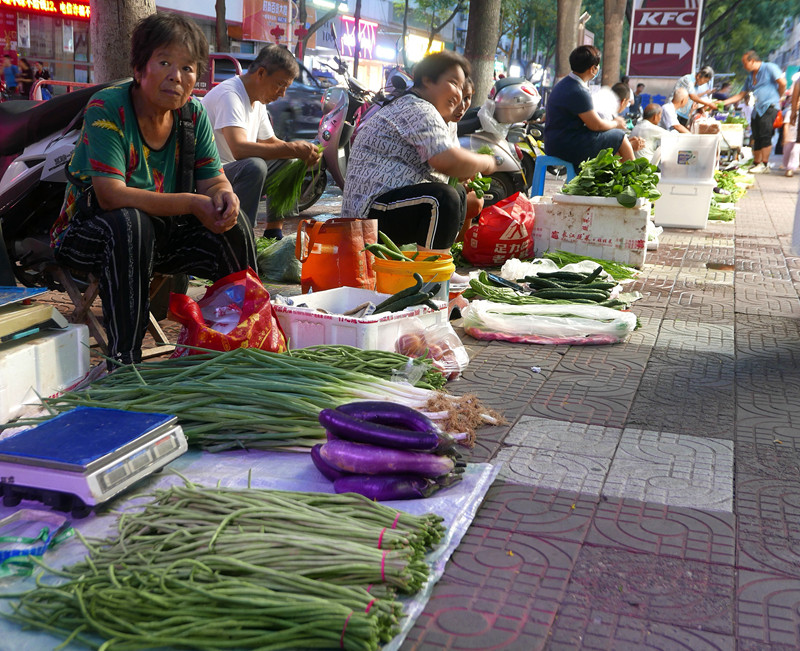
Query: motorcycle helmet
[(515, 99)]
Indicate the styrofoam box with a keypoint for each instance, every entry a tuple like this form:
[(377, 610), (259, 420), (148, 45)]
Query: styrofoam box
[(732, 136), (306, 326), (46, 363), (689, 156), (684, 204), (595, 226)]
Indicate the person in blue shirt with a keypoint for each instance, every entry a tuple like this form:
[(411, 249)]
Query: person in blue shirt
[(10, 72), (573, 130), (767, 83)]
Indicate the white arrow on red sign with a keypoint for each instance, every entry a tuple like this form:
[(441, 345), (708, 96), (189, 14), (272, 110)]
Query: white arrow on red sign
[(681, 49)]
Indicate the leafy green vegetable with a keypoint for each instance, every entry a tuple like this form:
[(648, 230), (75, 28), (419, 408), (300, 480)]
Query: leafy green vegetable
[(283, 188), (735, 119), (721, 212), (606, 175), (485, 149), (616, 270)]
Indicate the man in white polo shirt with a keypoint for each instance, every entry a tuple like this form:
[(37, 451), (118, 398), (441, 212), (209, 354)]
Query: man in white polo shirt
[(237, 109)]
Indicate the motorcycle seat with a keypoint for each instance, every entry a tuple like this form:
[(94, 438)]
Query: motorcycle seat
[(23, 122)]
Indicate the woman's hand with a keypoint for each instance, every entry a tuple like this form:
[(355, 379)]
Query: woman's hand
[(218, 213)]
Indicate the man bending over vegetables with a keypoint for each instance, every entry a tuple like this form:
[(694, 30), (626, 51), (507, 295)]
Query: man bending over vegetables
[(402, 159), (573, 129), (237, 109)]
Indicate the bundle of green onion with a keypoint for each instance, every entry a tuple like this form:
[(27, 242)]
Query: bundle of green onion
[(283, 188)]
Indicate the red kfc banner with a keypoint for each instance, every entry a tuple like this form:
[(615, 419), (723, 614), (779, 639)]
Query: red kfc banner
[(664, 37)]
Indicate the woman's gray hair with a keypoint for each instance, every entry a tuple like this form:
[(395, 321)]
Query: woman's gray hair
[(165, 28)]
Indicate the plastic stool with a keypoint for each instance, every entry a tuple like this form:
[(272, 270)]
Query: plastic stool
[(540, 170)]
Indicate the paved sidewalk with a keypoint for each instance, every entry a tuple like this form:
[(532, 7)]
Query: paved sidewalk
[(650, 492)]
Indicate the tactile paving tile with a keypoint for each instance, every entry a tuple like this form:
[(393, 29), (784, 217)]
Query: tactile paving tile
[(768, 612), (600, 398), (590, 630), (500, 590), (672, 469), (663, 589), (689, 534), (621, 359), (538, 511), (774, 339), (768, 524), (699, 336)]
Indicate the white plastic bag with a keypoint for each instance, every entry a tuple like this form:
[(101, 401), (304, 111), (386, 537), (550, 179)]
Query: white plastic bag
[(438, 342), (548, 324)]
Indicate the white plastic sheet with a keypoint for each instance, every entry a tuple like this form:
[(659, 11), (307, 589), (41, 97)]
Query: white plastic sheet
[(271, 470)]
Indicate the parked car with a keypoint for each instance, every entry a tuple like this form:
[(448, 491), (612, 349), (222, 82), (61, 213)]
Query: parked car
[(294, 116)]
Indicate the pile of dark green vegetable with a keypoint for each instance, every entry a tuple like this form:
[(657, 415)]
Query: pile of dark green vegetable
[(223, 568), (606, 175)]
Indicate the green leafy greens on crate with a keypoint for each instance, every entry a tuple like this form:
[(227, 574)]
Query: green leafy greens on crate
[(721, 211), (606, 175)]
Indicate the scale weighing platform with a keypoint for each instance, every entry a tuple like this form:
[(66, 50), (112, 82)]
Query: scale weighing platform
[(86, 456)]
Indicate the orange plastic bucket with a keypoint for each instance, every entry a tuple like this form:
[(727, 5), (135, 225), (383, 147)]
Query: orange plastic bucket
[(393, 276), (332, 253)]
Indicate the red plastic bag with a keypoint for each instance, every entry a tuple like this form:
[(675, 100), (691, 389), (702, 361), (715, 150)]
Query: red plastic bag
[(503, 231), (235, 312)]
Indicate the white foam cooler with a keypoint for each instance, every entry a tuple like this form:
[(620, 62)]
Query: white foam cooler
[(43, 364), (308, 326), (683, 204), (595, 226)]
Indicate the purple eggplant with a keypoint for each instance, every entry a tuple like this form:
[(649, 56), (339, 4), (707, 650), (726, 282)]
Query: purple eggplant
[(365, 459), (389, 413), (361, 430), (330, 472), (392, 487)]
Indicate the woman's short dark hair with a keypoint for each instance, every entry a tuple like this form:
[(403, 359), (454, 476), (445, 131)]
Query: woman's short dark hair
[(435, 65), (584, 57), (273, 58), (165, 28), (468, 85)]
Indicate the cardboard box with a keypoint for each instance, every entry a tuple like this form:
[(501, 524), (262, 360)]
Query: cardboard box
[(684, 204), (308, 326), (598, 227), (43, 364)]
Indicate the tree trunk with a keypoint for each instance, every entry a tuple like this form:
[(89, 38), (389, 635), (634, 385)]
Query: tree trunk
[(614, 16), (480, 47), (110, 35), (569, 12), (221, 27)]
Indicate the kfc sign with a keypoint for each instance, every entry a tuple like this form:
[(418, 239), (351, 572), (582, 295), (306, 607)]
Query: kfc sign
[(664, 35)]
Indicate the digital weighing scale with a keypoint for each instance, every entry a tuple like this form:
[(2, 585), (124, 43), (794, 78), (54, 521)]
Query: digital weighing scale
[(19, 316), (86, 456)]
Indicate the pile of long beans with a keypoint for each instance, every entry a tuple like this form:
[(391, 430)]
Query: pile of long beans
[(198, 568), (244, 398), (380, 363)]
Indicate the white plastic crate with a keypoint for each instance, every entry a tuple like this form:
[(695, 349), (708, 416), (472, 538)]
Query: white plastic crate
[(595, 226), (684, 204), (45, 363), (307, 326), (689, 156)]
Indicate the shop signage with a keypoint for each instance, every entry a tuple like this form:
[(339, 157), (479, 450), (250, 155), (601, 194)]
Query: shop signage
[(664, 36), (367, 35), (267, 20), (77, 10), (417, 46)]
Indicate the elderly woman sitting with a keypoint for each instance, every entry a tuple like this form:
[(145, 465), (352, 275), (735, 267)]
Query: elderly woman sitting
[(123, 217), (401, 160)]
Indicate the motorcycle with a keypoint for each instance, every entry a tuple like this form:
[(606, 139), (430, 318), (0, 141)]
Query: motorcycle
[(340, 107), (511, 101), (36, 142)]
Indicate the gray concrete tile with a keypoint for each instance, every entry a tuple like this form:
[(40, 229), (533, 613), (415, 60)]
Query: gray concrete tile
[(672, 469), (660, 589), (644, 527), (767, 611)]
